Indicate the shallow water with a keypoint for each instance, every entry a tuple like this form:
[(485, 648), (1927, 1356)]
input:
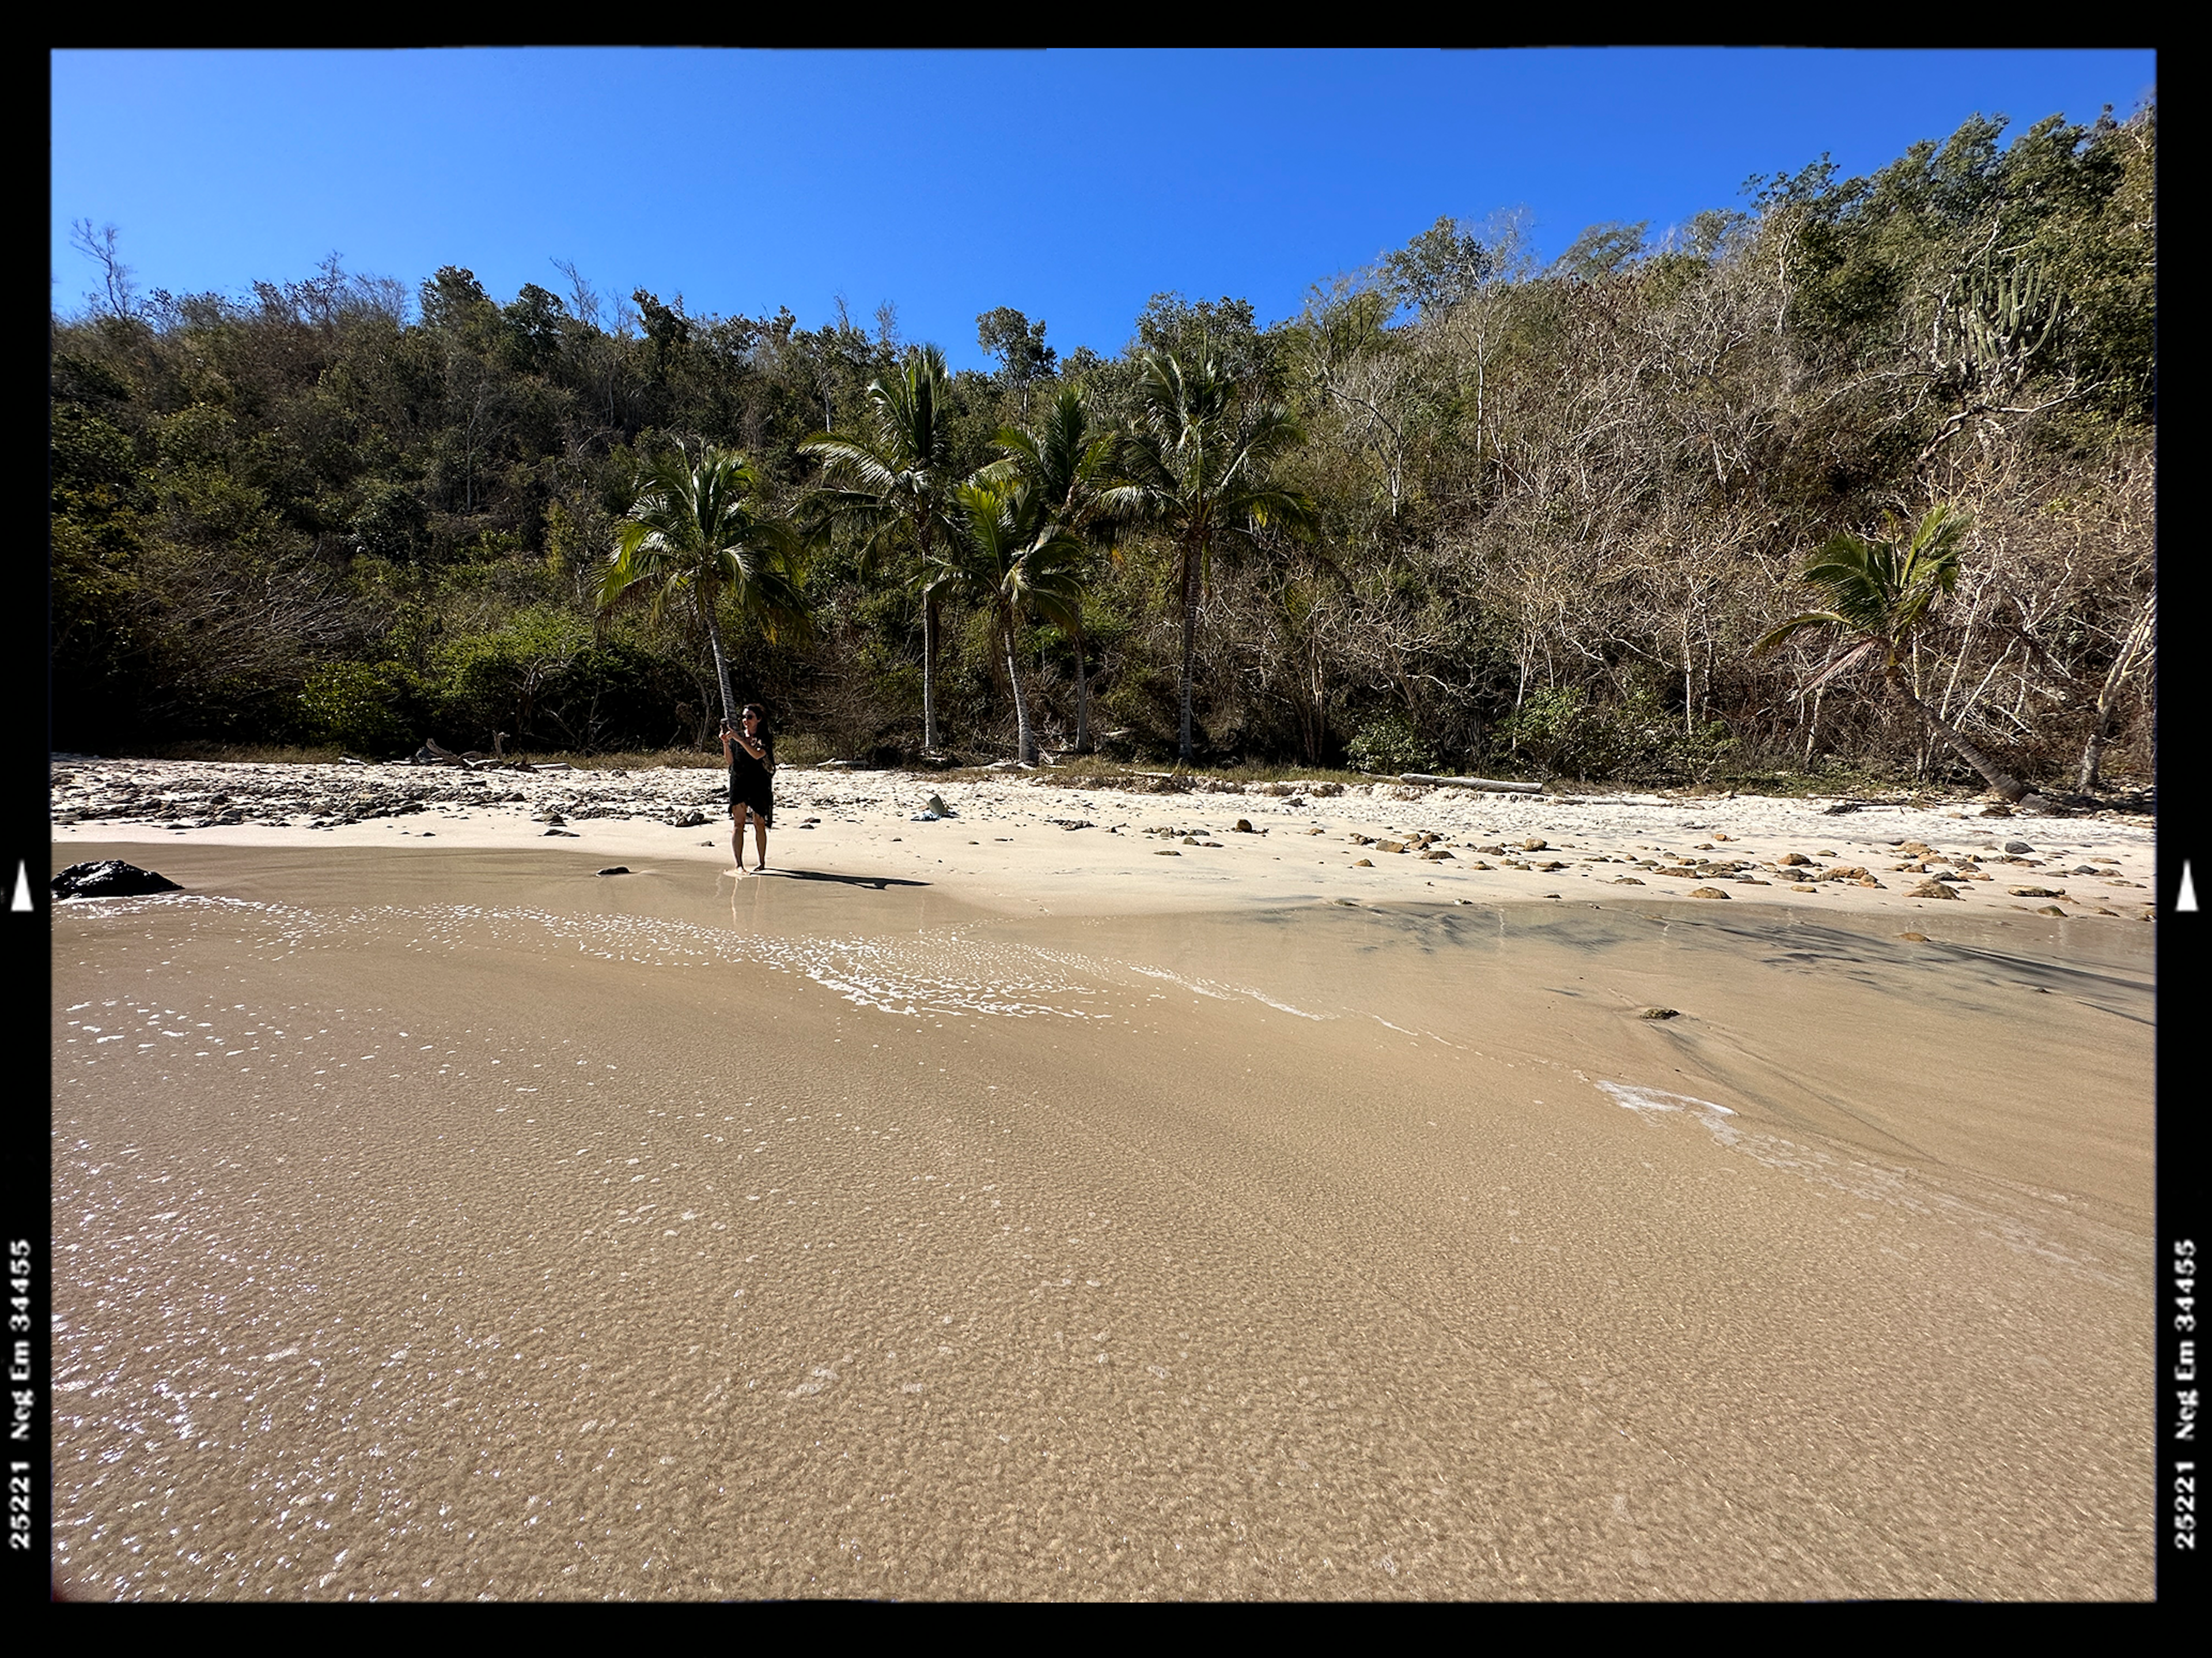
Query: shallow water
[(443, 1225)]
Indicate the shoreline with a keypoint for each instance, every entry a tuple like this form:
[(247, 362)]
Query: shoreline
[(1025, 844)]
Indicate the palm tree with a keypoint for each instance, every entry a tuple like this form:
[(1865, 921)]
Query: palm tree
[(1196, 464), (895, 484), (1010, 556), (700, 528), (1882, 592), (1069, 464)]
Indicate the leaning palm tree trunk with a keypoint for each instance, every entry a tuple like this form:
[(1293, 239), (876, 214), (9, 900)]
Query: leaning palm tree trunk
[(1082, 697), (721, 662), (1024, 735), (1189, 640), (1995, 776), (929, 675)]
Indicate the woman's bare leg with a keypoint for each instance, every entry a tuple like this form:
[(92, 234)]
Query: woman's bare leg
[(760, 839), (738, 834)]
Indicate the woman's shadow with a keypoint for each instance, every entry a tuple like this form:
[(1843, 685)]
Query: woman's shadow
[(878, 883)]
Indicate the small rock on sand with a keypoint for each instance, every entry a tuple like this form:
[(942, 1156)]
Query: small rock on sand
[(1659, 1013), (1707, 892)]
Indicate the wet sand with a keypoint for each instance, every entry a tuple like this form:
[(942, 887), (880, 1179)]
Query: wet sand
[(453, 1223)]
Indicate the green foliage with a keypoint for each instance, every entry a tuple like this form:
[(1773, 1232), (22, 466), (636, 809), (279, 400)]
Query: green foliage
[(1389, 745), (1017, 343), (1565, 731), (1871, 261), (391, 522), (1223, 332), (454, 303), (94, 464), (1558, 730), (1444, 265), (371, 709), (535, 323), (1602, 250)]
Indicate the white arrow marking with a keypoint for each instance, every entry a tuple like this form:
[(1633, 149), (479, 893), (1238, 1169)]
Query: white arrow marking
[(23, 886), (2186, 897)]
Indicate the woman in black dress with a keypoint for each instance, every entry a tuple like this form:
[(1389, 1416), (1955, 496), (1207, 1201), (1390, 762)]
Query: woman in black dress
[(752, 754)]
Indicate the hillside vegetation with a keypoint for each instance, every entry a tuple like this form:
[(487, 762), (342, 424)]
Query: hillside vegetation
[(1523, 519)]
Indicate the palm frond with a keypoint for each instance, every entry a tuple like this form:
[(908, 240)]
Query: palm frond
[(700, 525), (863, 466), (1797, 624), (1857, 653), (1861, 579), (1271, 507)]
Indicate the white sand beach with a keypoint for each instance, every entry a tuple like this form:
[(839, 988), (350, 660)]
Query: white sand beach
[(1023, 843)]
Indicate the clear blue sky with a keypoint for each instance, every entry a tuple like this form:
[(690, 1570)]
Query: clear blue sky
[(1073, 186)]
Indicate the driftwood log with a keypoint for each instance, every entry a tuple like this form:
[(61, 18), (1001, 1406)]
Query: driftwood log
[(1470, 783)]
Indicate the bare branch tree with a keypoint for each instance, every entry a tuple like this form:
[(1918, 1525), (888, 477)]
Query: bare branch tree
[(117, 295)]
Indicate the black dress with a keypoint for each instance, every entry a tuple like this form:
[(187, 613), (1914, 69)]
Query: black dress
[(748, 778)]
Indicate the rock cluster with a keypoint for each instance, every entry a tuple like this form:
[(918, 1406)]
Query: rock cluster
[(192, 795)]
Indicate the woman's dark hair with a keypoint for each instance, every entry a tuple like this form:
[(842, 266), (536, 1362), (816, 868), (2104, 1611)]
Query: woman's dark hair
[(767, 737)]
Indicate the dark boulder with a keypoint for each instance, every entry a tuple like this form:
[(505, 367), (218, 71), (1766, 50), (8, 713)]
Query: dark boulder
[(110, 878)]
